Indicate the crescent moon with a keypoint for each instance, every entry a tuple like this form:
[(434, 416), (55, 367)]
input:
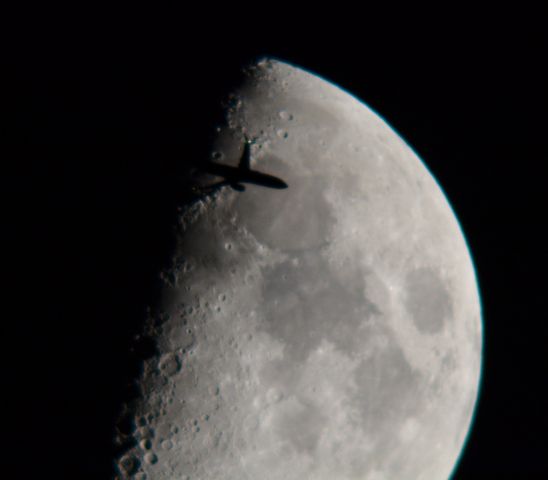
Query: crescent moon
[(330, 330)]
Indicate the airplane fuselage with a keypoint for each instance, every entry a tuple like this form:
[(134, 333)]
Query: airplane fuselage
[(235, 175)]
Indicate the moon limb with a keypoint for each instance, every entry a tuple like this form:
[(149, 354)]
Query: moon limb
[(332, 330)]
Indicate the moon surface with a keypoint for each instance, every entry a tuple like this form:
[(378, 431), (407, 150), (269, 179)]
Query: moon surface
[(329, 331)]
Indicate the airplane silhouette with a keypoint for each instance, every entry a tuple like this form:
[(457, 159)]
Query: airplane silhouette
[(236, 176)]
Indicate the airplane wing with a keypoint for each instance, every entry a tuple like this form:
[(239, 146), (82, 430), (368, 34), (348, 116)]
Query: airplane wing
[(204, 190), (238, 187)]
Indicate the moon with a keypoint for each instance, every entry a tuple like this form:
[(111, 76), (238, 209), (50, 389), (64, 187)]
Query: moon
[(331, 330)]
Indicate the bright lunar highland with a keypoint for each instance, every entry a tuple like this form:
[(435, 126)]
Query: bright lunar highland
[(328, 331)]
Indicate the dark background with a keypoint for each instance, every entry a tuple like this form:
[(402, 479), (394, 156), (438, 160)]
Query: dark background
[(102, 116)]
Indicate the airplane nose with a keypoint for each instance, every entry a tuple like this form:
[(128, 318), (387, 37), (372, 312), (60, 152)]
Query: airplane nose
[(281, 184)]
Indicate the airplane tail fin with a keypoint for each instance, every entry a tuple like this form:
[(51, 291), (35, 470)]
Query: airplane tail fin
[(245, 160)]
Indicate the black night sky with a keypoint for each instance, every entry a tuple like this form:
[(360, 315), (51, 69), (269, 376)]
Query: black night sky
[(103, 116)]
